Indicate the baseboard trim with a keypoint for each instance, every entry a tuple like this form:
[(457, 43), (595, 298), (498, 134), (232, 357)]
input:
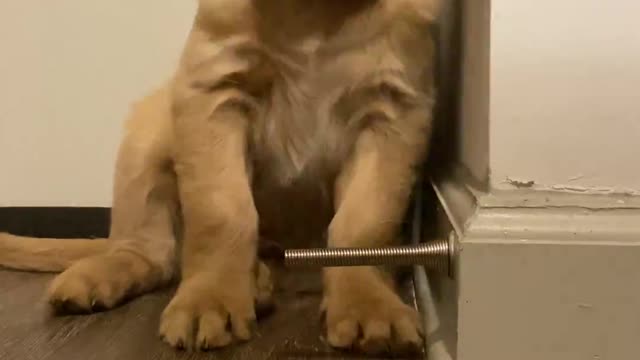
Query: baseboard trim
[(539, 273), (56, 222), (529, 215)]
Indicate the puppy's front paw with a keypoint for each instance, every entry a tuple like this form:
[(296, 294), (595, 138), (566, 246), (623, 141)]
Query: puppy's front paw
[(207, 313), (364, 313)]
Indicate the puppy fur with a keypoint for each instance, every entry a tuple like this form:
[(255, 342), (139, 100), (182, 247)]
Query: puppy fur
[(286, 119)]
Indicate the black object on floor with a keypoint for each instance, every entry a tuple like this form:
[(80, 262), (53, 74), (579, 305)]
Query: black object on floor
[(56, 222)]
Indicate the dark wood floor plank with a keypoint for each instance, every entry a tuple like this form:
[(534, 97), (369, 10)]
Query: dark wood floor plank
[(29, 332)]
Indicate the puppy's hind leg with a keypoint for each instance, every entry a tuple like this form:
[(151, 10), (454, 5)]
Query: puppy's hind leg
[(142, 241)]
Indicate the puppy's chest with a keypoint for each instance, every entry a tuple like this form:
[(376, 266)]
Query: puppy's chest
[(299, 132)]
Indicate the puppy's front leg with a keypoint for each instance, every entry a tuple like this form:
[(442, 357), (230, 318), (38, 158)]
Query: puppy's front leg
[(215, 300), (372, 193)]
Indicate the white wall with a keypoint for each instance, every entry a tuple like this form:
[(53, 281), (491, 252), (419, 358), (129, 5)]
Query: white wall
[(68, 71), (565, 94)]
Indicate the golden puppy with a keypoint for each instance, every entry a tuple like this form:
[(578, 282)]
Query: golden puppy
[(285, 118)]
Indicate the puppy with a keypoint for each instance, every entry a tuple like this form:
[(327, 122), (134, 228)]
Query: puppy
[(286, 119)]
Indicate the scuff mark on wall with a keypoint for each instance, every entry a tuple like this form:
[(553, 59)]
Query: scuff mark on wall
[(577, 177)]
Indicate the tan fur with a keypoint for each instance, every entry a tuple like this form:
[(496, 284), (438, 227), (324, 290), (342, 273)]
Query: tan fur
[(285, 118)]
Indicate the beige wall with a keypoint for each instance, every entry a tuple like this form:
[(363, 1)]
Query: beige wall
[(563, 107), (565, 103), (68, 71)]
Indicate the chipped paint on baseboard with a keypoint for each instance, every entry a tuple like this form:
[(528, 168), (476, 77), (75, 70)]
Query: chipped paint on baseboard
[(517, 183), (520, 184), (592, 190)]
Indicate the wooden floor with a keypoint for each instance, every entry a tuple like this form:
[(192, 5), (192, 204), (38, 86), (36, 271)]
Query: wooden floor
[(29, 332)]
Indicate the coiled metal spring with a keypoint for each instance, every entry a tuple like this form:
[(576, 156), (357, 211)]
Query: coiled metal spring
[(433, 255)]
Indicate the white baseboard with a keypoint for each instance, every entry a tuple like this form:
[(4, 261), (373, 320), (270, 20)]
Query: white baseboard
[(540, 275)]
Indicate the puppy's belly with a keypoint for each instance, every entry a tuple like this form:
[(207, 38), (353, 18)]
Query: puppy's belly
[(296, 215)]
